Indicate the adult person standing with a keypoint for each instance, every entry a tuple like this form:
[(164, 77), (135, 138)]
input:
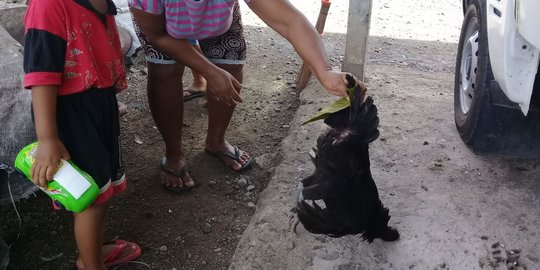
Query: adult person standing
[(165, 27)]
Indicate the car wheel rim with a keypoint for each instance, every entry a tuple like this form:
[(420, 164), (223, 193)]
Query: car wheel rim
[(469, 67)]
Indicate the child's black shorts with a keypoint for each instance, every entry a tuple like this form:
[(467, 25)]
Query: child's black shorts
[(89, 128)]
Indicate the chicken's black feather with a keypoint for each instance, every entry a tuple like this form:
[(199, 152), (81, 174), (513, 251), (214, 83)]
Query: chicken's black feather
[(342, 178)]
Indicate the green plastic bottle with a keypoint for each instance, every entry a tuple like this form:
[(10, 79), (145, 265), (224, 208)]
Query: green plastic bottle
[(73, 188)]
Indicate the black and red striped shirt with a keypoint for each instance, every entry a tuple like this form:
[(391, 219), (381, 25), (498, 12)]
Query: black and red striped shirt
[(71, 45)]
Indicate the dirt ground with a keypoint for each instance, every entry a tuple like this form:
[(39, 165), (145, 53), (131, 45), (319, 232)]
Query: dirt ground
[(410, 72)]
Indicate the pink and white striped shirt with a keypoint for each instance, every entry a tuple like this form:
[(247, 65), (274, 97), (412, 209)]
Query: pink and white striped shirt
[(191, 19)]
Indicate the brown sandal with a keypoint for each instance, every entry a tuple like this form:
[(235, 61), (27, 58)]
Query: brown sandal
[(181, 174)]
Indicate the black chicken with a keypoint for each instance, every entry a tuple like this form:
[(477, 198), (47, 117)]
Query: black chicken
[(341, 197)]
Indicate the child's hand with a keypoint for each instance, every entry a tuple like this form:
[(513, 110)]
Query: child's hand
[(334, 82), (46, 161)]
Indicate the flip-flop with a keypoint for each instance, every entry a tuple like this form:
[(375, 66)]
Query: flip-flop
[(112, 258), (181, 174), (233, 155), (193, 94)]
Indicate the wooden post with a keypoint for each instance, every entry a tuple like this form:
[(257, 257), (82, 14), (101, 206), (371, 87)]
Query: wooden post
[(304, 74), (357, 37)]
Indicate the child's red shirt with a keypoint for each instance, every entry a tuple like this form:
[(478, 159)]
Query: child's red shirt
[(69, 44)]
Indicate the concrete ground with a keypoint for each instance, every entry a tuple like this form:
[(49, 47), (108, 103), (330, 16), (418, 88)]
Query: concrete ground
[(454, 209)]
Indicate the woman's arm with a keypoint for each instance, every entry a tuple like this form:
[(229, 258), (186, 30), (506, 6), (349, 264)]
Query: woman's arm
[(223, 85), (281, 16), (50, 149)]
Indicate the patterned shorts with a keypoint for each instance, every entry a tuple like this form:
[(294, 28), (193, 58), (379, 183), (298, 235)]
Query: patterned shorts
[(229, 48)]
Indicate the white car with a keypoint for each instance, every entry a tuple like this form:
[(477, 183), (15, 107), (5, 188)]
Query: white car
[(496, 99)]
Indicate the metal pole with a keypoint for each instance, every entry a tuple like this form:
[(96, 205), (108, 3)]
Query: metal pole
[(357, 37)]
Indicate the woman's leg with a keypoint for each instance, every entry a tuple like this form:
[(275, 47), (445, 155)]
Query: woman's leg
[(219, 117), (89, 236), (228, 52), (164, 89)]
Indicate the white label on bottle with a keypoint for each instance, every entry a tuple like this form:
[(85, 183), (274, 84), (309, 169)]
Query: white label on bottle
[(71, 180)]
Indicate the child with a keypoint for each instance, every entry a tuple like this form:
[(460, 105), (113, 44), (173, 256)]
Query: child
[(73, 65)]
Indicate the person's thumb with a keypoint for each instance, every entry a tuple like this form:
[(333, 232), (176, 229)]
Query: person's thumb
[(344, 79)]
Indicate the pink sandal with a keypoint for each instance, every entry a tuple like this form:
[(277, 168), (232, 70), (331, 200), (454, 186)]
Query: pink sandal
[(113, 257)]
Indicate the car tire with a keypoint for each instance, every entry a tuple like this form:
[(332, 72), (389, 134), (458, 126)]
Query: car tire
[(473, 73), (485, 118)]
